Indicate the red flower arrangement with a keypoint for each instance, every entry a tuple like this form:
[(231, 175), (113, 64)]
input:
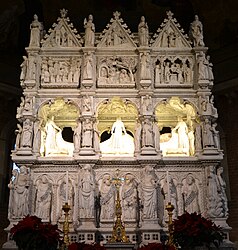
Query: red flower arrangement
[(31, 233), (84, 246), (192, 230), (157, 246)]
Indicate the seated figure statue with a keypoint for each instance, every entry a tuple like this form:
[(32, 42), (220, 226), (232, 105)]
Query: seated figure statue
[(120, 142)]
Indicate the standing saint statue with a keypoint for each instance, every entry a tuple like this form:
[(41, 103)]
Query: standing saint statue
[(145, 66), (43, 202), (21, 193), (12, 187), (196, 32), (18, 133), (182, 131), (149, 190), (88, 66), (190, 195), (169, 192), (147, 134), (118, 129), (207, 132), (96, 137), (77, 136), (143, 32), (51, 131), (107, 191), (87, 130), (37, 135), (89, 31), (87, 188), (129, 198), (36, 29), (137, 136), (26, 140), (120, 141)]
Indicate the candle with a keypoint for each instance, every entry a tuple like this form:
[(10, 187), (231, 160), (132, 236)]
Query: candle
[(67, 186), (168, 185)]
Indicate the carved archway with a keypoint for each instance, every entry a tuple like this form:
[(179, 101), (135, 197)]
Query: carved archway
[(109, 110), (65, 113), (172, 114), (58, 119)]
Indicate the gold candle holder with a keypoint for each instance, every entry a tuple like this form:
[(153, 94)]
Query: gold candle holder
[(170, 209), (66, 208), (118, 232)]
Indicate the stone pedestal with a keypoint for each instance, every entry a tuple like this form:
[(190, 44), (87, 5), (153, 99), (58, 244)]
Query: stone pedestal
[(10, 245), (119, 246)]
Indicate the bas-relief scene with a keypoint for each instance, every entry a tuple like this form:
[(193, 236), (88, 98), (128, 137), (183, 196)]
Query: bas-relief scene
[(135, 104)]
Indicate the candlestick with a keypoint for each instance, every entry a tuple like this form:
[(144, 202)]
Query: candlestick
[(67, 187), (66, 242), (168, 186), (170, 209)]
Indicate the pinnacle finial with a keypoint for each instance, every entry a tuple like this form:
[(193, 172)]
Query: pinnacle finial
[(117, 15), (63, 13), (169, 14)]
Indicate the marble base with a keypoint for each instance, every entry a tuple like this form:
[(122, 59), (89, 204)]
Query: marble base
[(9, 245), (119, 246)]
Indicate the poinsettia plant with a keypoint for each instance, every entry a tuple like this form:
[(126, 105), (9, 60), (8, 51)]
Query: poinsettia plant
[(84, 246), (31, 233), (157, 246), (192, 229)]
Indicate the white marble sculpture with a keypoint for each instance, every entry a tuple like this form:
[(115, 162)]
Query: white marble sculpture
[(147, 133), (87, 133), (12, 198), (43, 202), (149, 188), (143, 32), (65, 194), (137, 136), (87, 192), (77, 136), (27, 131), (208, 139), (20, 193), (89, 31), (107, 191), (179, 141), (196, 32), (170, 195), (129, 198), (120, 141), (36, 30), (69, 139), (222, 190), (54, 143), (190, 195), (214, 201)]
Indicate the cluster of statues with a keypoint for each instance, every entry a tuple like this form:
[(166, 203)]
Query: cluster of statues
[(216, 193), (142, 199), (205, 67), (53, 71), (206, 136), (114, 74), (115, 35), (169, 72), (185, 138), (170, 39)]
